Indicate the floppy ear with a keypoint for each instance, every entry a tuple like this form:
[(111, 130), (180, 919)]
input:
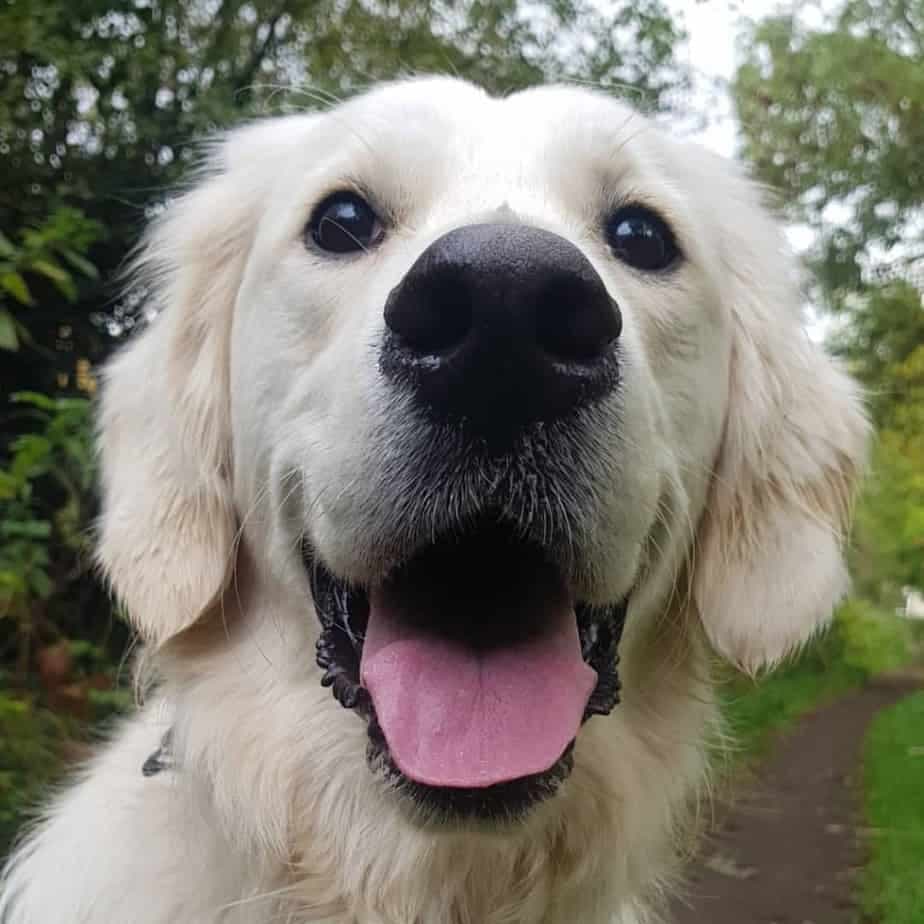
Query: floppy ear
[(768, 565), (167, 528)]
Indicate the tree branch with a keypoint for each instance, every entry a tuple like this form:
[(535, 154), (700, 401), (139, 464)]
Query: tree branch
[(243, 81)]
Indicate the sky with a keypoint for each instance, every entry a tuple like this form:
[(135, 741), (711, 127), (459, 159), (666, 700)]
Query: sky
[(712, 27)]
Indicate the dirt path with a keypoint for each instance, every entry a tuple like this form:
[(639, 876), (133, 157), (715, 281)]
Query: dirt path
[(789, 850)]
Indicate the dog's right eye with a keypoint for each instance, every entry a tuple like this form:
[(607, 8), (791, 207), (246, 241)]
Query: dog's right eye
[(642, 239), (344, 223)]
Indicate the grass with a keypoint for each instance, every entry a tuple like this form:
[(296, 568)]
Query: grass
[(757, 710), (862, 642), (893, 885)]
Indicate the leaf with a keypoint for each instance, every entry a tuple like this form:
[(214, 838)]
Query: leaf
[(32, 455), (16, 286), (80, 405), (81, 264), (35, 398), (40, 583), (8, 338), (11, 583), (8, 486), (58, 275), (6, 246), (25, 529)]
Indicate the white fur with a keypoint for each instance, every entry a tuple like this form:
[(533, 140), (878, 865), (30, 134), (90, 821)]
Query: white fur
[(251, 410)]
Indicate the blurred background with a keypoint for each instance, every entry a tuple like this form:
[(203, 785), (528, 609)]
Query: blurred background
[(102, 103)]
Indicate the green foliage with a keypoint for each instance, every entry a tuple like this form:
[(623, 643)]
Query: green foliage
[(834, 119), (883, 326), (888, 551), (45, 488), (872, 641), (836, 116), (893, 884), (54, 251), (30, 741)]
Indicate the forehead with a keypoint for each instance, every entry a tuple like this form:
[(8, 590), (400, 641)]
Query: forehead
[(447, 134), (456, 109)]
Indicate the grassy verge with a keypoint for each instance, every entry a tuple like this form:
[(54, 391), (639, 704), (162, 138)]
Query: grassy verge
[(757, 710), (861, 643), (893, 886)]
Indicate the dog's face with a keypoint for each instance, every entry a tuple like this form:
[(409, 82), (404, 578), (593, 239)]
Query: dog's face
[(480, 380)]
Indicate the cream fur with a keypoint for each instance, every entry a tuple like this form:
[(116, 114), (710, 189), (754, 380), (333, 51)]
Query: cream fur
[(251, 410)]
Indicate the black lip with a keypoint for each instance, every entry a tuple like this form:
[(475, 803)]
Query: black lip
[(342, 610), (504, 802)]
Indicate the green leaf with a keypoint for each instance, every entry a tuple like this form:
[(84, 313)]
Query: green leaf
[(11, 583), (16, 286), (8, 338), (8, 486), (58, 275), (32, 455), (40, 583), (25, 529), (81, 264), (80, 405), (6, 246), (35, 398)]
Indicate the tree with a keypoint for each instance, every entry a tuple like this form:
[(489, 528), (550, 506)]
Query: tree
[(834, 119)]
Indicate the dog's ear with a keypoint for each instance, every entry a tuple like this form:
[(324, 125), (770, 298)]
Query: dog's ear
[(167, 529), (768, 566)]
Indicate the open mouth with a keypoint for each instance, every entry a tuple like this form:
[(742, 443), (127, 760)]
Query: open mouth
[(474, 667)]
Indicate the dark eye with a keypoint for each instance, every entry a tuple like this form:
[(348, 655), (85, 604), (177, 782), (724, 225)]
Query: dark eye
[(642, 239), (344, 223)]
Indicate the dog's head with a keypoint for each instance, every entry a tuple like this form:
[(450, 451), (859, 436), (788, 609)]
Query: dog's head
[(477, 380)]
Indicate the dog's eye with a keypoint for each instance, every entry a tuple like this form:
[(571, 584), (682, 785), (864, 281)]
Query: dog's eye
[(642, 238), (344, 223)]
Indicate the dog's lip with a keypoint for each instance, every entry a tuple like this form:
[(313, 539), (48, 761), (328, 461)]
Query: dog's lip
[(342, 609)]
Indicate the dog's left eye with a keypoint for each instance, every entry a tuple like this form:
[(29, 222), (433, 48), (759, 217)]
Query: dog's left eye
[(641, 238), (344, 223)]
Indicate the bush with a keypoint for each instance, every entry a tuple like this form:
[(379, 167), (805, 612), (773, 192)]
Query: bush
[(45, 495), (31, 742), (872, 640)]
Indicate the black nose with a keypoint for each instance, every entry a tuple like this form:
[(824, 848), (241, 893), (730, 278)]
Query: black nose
[(502, 325)]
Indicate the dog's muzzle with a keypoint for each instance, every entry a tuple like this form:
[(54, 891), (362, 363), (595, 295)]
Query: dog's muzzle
[(470, 655)]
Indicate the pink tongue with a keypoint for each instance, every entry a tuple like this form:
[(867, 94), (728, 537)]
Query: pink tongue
[(461, 717)]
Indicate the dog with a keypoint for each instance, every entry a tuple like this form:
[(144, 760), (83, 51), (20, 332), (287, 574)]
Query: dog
[(468, 432)]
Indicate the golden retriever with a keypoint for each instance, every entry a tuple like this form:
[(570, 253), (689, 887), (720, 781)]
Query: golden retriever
[(448, 399)]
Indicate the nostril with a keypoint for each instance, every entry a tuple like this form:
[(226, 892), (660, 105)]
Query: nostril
[(430, 317), (497, 327), (575, 318)]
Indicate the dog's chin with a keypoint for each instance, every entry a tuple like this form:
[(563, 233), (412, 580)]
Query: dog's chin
[(488, 808), (473, 666)]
